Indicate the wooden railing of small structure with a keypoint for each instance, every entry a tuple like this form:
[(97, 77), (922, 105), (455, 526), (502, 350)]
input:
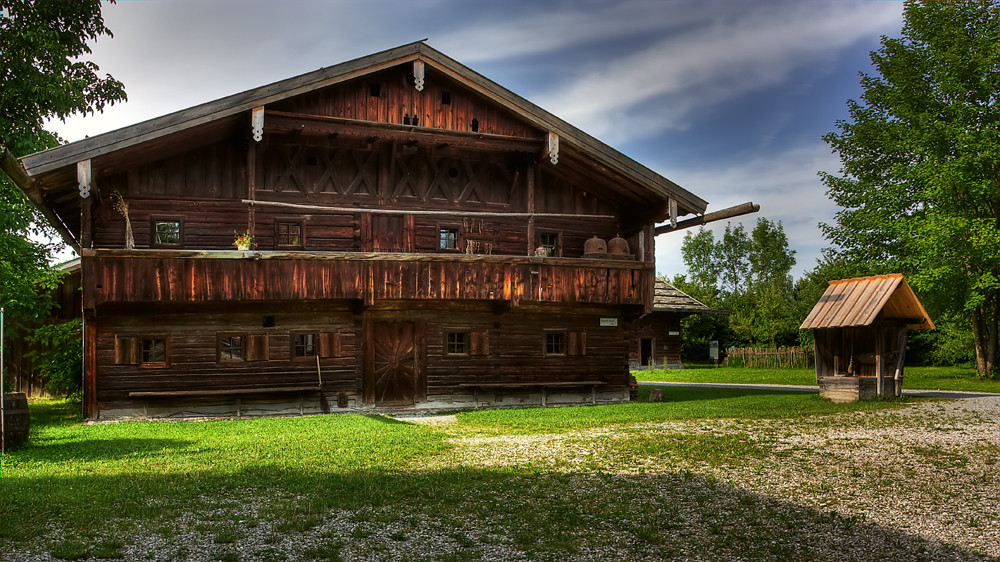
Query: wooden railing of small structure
[(771, 358)]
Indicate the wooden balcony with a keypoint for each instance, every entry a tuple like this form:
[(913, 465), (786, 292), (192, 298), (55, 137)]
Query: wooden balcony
[(179, 276)]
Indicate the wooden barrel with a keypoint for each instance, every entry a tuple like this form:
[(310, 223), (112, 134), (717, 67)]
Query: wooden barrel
[(15, 419)]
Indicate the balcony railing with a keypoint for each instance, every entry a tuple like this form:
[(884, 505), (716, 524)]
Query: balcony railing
[(139, 276)]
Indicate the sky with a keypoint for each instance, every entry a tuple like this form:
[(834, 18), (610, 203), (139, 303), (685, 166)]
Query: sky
[(728, 98)]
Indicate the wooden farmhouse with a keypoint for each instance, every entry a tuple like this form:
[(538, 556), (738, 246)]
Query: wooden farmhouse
[(419, 242), (655, 338), (860, 327)]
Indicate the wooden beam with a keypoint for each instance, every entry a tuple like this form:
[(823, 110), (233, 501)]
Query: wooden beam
[(423, 212), (27, 184), (318, 125), (727, 213)]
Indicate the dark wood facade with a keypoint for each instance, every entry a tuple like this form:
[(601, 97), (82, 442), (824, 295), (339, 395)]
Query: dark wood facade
[(655, 338), (414, 248)]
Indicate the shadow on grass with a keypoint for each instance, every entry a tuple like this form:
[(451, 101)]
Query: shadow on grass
[(673, 393), (529, 513), (98, 450), (386, 419)]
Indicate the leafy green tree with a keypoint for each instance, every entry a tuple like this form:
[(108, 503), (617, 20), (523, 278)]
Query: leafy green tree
[(747, 275), (919, 187), (41, 77), (58, 356)]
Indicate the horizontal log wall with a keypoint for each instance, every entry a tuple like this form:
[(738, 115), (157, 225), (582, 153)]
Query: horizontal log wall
[(515, 341), (656, 326), (192, 356)]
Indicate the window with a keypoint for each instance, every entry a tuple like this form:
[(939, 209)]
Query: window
[(549, 241), (375, 90), (448, 239), (154, 351), (166, 232), (457, 343), (555, 343), (445, 98), (231, 348), (289, 234), (304, 345)]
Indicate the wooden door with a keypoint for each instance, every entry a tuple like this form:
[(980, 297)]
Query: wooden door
[(393, 363)]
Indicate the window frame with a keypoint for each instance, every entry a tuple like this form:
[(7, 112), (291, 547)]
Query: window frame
[(441, 228), (143, 363), (279, 222), (464, 333), (154, 239), (563, 343), (556, 247), (294, 346), (219, 339)]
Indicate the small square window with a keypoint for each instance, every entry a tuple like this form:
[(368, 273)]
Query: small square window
[(549, 242), (304, 345), (166, 232), (555, 343), (231, 348), (289, 234), (448, 239), (154, 351), (457, 343)]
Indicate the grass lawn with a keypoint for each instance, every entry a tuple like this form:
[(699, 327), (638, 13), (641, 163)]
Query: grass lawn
[(79, 491), (680, 403), (927, 378)]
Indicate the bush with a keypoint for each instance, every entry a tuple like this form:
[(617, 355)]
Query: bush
[(57, 353)]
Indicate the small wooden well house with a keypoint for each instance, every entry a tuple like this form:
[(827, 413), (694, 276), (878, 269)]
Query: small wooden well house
[(860, 328)]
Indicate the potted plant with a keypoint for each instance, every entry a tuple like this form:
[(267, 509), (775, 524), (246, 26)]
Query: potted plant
[(244, 241)]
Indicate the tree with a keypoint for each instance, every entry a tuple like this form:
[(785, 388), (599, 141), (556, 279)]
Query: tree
[(748, 275), (41, 77), (919, 185)]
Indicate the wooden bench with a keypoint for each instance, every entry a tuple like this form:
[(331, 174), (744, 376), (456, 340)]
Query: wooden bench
[(237, 392), (477, 386)]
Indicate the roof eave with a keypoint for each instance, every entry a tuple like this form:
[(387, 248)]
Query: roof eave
[(570, 136)]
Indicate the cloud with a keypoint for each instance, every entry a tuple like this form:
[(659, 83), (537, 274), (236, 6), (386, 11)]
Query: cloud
[(711, 61), (786, 186), (541, 28)]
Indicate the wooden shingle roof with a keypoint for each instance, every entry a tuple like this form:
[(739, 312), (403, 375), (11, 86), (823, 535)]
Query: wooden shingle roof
[(667, 298), (863, 300)]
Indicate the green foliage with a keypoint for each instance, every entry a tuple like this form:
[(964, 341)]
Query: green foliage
[(42, 76), (919, 185), (747, 275), (58, 355), (926, 378)]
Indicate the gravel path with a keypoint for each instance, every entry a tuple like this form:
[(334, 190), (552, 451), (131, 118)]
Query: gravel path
[(916, 483)]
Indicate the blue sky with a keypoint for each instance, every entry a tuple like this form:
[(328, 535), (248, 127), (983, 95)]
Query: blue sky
[(728, 98)]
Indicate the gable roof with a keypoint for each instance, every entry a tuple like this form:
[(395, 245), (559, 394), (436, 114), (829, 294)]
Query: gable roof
[(59, 163), (667, 298), (863, 300)]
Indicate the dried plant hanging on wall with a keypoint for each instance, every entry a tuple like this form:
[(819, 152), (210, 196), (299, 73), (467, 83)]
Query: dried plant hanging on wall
[(120, 205)]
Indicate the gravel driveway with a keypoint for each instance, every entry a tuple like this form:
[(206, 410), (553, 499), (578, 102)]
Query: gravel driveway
[(914, 483)]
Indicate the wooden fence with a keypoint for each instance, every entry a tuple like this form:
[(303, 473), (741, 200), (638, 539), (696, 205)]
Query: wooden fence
[(771, 358)]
